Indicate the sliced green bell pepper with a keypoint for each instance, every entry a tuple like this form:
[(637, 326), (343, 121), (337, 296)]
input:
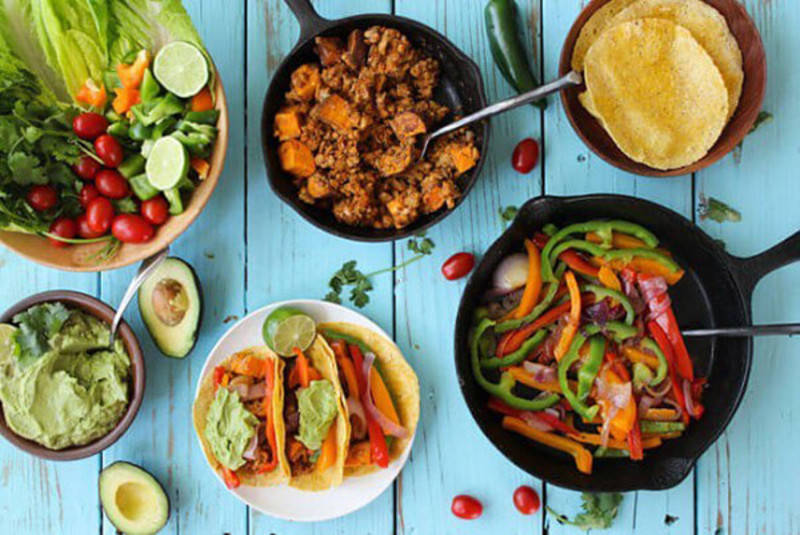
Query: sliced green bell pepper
[(517, 356), (663, 365), (601, 292), (538, 310), (591, 367), (626, 255), (572, 356), (660, 428)]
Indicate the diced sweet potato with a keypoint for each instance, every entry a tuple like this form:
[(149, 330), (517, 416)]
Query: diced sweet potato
[(318, 186), (287, 123), (335, 111), (329, 50), (433, 199), (305, 80), (407, 124), (395, 160), (403, 209), (463, 157), (296, 158)]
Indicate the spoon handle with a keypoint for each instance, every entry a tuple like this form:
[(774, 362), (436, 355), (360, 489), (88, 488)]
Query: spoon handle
[(754, 330), (571, 78), (145, 270)]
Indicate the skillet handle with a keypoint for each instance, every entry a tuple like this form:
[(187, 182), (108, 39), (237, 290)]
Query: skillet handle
[(753, 269), (307, 16)]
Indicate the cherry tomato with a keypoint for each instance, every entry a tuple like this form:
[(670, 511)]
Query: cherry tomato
[(458, 266), (131, 228), (155, 210), (87, 194), (526, 500), (466, 507), (42, 198), (86, 168), (84, 231), (99, 215), (525, 156), (109, 150), (111, 184), (89, 125), (64, 228)]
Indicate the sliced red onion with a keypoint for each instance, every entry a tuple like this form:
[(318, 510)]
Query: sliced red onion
[(687, 394), (652, 287), (674, 404), (534, 421), (662, 390), (386, 424), (598, 313), (250, 452), (358, 420), (645, 404), (540, 372), (512, 273)]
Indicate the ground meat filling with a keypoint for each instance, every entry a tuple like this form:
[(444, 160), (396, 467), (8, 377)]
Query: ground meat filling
[(351, 128)]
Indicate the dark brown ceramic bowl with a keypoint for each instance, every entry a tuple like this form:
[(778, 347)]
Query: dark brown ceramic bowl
[(755, 81), (96, 308)]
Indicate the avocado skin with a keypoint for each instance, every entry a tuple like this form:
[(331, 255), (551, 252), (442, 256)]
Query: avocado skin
[(150, 479), (152, 322)]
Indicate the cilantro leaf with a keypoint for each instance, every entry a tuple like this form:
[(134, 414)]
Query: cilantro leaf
[(26, 169), (36, 326), (125, 206), (716, 210), (599, 511), (508, 213)]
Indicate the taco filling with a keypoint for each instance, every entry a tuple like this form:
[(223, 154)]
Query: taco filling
[(374, 420), (240, 426)]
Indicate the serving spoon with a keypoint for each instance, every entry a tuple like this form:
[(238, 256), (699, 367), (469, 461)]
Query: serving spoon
[(570, 79), (149, 265), (776, 329)]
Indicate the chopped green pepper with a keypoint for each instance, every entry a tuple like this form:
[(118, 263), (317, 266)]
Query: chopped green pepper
[(642, 375), (139, 132), (601, 292), (663, 365), (572, 356), (149, 88), (660, 428), (119, 129), (175, 201), (538, 310), (133, 165), (591, 367), (208, 117), (517, 356), (141, 187), (628, 254)]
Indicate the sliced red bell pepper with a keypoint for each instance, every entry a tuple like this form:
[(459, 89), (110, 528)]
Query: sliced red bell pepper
[(498, 405), (576, 263), (379, 450), (635, 442), (661, 339), (358, 362), (617, 366), (230, 478), (683, 363), (219, 373)]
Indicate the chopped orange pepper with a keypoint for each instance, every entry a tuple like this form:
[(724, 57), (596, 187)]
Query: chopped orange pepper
[(643, 265), (245, 363), (622, 422), (126, 99), (92, 95), (533, 285), (609, 278), (597, 440), (637, 355), (301, 365), (583, 459), (327, 453), (131, 75), (660, 415), (381, 396), (202, 101), (574, 317), (201, 167), (523, 376)]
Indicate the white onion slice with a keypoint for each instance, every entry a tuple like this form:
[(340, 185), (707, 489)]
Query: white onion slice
[(512, 273)]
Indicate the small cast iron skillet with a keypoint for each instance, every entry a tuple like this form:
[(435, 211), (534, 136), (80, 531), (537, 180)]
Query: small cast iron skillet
[(460, 88), (105, 313), (715, 292)]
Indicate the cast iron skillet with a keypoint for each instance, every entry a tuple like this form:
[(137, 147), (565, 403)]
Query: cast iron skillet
[(715, 292), (460, 88)]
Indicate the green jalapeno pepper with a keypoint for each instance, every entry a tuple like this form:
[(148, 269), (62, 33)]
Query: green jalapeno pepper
[(663, 365), (591, 367), (660, 428), (517, 356), (601, 292)]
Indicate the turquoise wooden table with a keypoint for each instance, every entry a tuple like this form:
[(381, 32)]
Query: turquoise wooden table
[(249, 250)]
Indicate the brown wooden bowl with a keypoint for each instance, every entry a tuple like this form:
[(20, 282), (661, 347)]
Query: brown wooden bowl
[(80, 257), (97, 308), (753, 90)]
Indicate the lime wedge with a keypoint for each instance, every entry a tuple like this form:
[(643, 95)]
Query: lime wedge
[(167, 163), (181, 68), (8, 346), (287, 328)]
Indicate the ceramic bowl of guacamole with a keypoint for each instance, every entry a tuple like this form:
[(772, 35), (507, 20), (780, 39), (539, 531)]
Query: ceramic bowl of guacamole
[(64, 393)]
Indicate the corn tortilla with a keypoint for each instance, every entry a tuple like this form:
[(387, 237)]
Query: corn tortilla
[(595, 26), (659, 93)]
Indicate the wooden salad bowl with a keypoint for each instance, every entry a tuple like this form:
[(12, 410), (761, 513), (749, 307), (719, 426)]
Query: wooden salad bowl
[(84, 257), (753, 90)]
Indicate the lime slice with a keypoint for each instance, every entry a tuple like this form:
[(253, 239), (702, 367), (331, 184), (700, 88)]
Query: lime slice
[(287, 328), (167, 163), (8, 346), (181, 68)]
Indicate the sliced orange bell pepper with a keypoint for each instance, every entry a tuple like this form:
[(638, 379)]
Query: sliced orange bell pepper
[(202, 101), (577, 263), (644, 265), (269, 427), (245, 363), (126, 99), (597, 440), (305, 372), (609, 278), (327, 453), (381, 397), (637, 355), (574, 317), (523, 376), (618, 240), (201, 167), (533, 285), (130, 76), (660, 415), (622, 422), (582, 456), (92, 94)]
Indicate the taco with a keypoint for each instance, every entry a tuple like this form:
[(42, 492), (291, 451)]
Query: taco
[(381, 392), (314, 420), (238, 417)]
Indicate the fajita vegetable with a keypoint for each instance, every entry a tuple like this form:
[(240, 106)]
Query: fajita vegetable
[(597, 360)]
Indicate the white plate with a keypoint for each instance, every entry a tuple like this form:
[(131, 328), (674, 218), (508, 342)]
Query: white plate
[(283, 501)]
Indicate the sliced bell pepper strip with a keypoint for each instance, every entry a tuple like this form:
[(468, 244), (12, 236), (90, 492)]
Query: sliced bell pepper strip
[(524, 376), (683, 363), (578, 264), (585, 412), (381, 397), (269, 427), (92, 94), (609, 278), (664, 436), (327, 453), (248, 364), (618, 367), (345, 364), (635, 442), (574, 317), (618, 240), (623, 420), (581, 245), (544, 304), (302, 367), (642, 261), (591, 366), (201, 167), (500, 406), (378, 448), (358, 362), (660, 428), (503, 389), (125, 99), (663, 366), (202, 101), (661, 339), (130, 76), (230, 478), (601, 292), (596, 440), (219, 373), (583, 459), (527, 347), (533, 285), (637, 355), (660, 415)]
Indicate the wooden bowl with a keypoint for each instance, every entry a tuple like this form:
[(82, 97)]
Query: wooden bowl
[(102, 311), (755, 80), (79, 257)]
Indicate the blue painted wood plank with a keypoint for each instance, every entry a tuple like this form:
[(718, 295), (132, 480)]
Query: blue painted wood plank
[(288, 258), (38, 496), (162, 438), (451, 455), (570, 168), (747, 482)]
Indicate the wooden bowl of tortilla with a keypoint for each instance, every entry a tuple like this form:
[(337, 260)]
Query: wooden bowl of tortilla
[(84, 257), (717, 53)]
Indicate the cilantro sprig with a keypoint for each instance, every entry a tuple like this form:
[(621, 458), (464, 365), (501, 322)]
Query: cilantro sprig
[(716, 210), (36, 326), (599, 511), (360, 284)]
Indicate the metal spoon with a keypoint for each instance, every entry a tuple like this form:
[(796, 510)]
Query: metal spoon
[(572, 78), (149, 265), (777, 329)]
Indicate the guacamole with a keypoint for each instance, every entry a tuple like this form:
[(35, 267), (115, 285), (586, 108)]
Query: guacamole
[(317, 406), (229, 428), (60, 385)]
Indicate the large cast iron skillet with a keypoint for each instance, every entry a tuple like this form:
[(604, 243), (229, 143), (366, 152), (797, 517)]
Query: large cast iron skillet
[(715, 292), (460, 88)]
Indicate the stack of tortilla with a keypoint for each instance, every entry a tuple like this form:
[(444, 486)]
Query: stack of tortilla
[(663, 77)]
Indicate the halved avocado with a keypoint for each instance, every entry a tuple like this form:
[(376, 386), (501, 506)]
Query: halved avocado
[(134, 500), (171, 305)]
